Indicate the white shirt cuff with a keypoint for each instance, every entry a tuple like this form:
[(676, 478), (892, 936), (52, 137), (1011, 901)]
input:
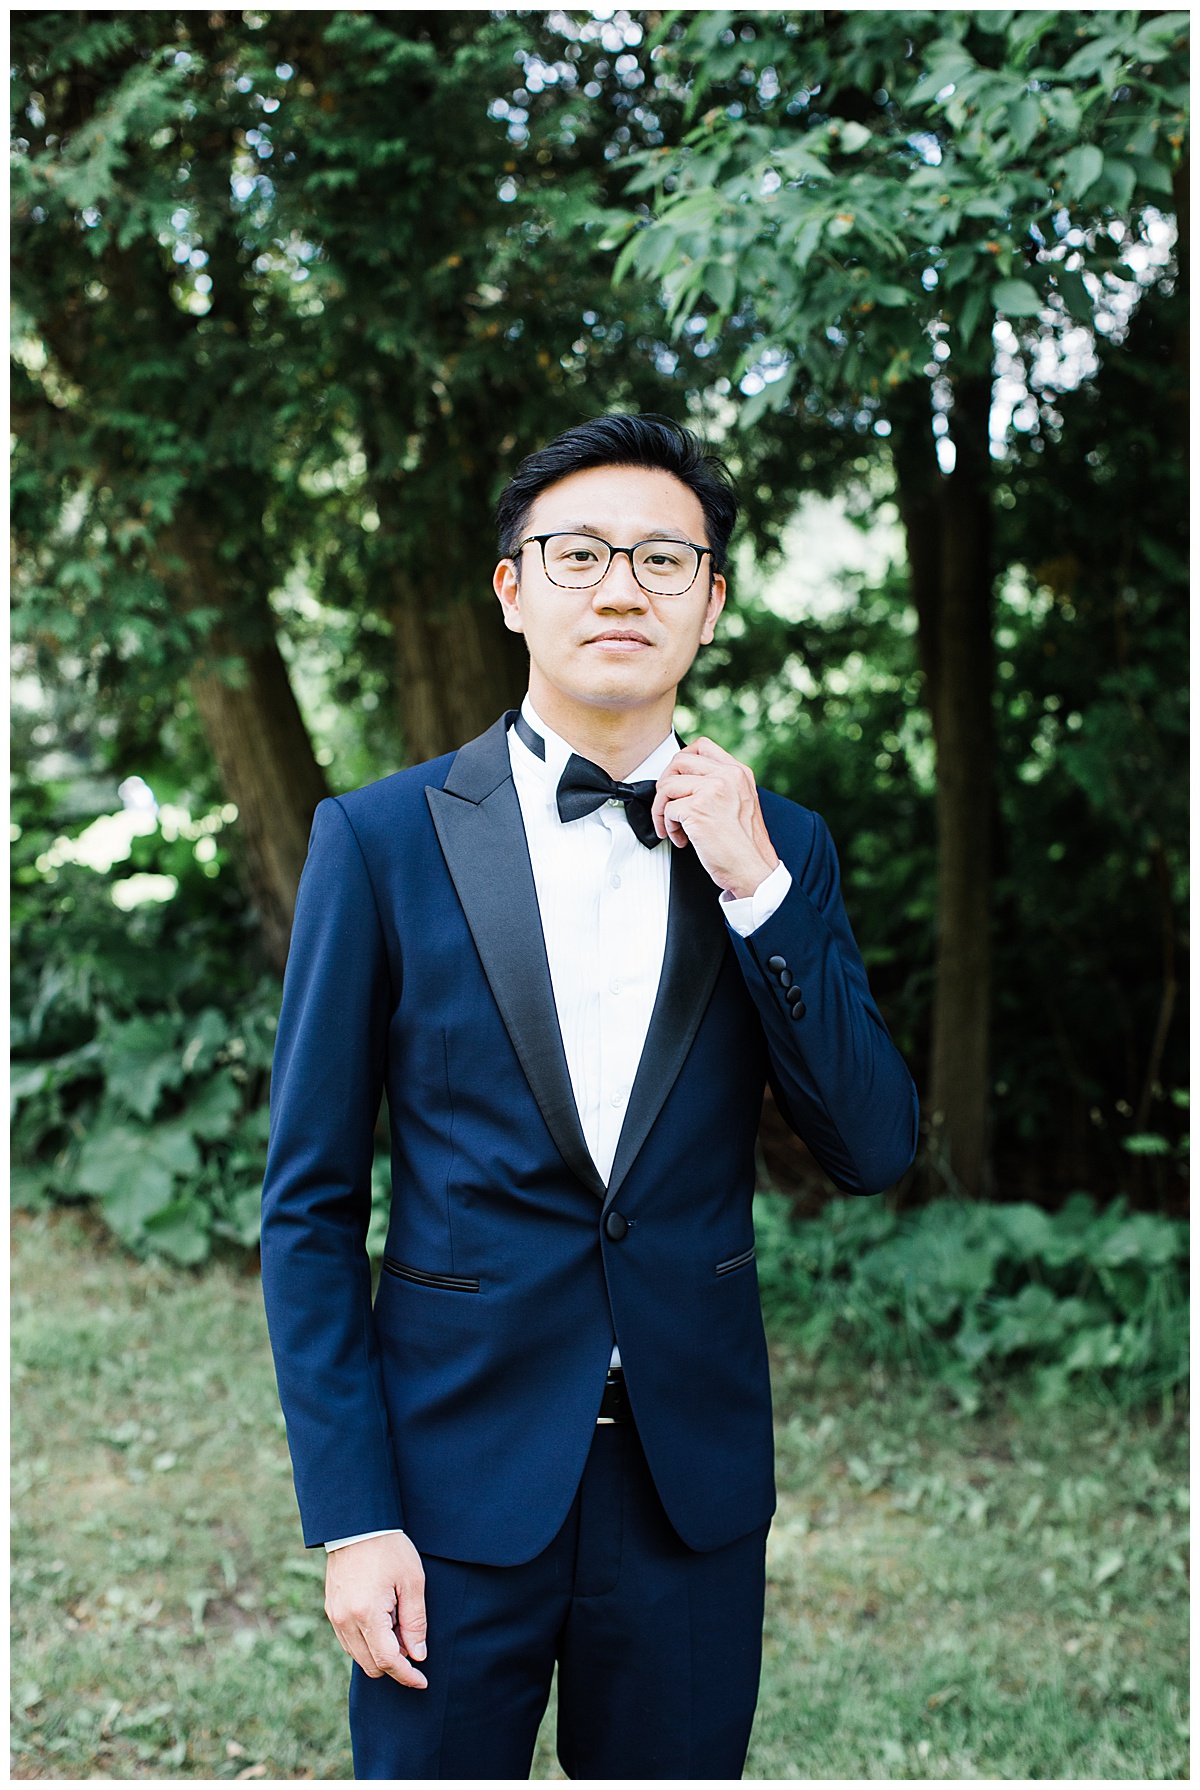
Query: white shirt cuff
[(367, 1535), (747, 913)]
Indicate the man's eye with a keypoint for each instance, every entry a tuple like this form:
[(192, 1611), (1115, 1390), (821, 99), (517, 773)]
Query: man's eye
[(662, 561)]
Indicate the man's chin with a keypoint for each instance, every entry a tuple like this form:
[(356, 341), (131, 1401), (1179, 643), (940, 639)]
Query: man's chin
[(618, 693)]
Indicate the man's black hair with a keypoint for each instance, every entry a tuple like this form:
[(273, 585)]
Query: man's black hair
[(626, 440)]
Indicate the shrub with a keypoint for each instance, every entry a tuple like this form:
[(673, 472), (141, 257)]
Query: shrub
[(970, 1292)]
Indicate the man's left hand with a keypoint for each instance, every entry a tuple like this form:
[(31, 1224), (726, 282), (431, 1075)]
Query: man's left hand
[(707, 799)]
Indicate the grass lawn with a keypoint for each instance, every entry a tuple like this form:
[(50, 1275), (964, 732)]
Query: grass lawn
[(1003, 1595)]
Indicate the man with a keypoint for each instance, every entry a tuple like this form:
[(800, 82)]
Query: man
[(571, 954)]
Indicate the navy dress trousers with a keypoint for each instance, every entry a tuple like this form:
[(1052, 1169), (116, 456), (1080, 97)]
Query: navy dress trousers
[(461, 1404)]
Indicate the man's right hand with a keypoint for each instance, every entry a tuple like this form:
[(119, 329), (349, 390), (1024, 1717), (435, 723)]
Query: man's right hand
[(375, 1599)]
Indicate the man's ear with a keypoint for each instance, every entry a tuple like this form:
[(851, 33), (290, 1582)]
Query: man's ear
[(507, 586), (716, 602)]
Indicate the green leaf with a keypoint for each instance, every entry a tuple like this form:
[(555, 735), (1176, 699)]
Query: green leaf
[(140, 1059), (1016, 298), (1082, 168), (807, 241), (1120, 179), (1107, 1567), (1153, 39), (133, 1172), (1146, 1143), (1075, 295), (626, 258), (202, 1039), (109, 1159), (720, 282), (215, 1107), (1024, 121), (1092, 58), (1154, 176), (180, 1231), (754, 407), (891, 296), (243, 1218), (851, 137), (26, 1081), (959, 263)]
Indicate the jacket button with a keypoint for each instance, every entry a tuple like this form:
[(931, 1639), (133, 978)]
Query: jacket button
[(794, 995), (799, 1010), (785, 980), (615, 1226), (776, 964)]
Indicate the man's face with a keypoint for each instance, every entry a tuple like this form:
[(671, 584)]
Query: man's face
[(613, 645)]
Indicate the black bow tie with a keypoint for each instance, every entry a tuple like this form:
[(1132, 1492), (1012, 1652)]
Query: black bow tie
[(584, 787)]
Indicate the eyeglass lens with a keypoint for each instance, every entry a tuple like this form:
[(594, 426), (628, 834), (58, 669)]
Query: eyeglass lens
[(666, 568)]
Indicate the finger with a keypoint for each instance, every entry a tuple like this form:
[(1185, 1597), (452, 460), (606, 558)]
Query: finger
[(410, 1619), (661, 797), (384, 1644), (351, 1641), (676, 816), (692, 763), (670, 790), (707, 748)]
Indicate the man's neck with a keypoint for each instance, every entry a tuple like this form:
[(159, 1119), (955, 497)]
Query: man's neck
[(618, 740)]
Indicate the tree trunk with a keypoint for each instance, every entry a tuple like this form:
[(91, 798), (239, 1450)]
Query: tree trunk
[(458, 668), (255, 731), (947, 523)]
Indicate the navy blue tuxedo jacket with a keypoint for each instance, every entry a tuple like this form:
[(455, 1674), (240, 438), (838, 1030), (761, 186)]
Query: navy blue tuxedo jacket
[(461, 1405)]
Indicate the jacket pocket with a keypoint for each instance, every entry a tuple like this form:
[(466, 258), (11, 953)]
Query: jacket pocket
[(736, 1261), (421, 1277)]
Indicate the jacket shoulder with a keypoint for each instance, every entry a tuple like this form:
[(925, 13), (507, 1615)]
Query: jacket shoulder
[(401, 792)]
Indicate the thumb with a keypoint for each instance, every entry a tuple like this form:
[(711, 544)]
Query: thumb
[(410, 1617)]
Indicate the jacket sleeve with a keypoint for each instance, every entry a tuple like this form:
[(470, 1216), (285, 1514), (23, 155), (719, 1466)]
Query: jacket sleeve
[(839, 1080), (326, 1085)]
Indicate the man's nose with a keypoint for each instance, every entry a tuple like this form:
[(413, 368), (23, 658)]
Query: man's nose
[(619, 589)]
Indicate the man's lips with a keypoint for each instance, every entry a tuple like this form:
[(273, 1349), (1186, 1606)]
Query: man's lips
[(620, 639)]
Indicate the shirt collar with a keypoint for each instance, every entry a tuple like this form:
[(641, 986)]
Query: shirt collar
[(558, 752)]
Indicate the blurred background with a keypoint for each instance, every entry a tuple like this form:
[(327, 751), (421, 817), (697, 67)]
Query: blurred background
[(293, 293)]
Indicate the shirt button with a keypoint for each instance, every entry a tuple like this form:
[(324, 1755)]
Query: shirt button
[(615, 881), (616, 1099), (616, 987)]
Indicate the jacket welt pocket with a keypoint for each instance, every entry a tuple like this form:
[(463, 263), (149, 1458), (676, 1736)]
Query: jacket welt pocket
[(421, 1277), (736, 1261)]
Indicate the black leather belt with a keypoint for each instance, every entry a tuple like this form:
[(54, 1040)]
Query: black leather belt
[(614, 1406)]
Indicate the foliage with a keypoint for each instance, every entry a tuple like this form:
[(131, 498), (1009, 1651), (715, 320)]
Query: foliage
[(971, 1291), (897, 178), (278, 320), (143, 1036), (950, 1597)]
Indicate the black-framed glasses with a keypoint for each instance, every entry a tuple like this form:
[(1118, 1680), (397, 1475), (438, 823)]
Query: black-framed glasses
[(663, 568)]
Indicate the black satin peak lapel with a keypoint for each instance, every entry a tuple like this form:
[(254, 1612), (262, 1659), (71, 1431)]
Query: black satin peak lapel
[(697, 940), (478, 820)]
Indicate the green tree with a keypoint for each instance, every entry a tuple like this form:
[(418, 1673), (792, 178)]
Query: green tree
[(153, 366), (276, 314), (890, 184), (278, 309)]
